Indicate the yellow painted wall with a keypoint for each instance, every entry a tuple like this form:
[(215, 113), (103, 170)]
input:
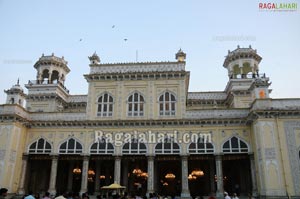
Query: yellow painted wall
[(121, 90), (12, 143)]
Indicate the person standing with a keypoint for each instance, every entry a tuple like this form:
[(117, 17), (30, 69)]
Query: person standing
[(30, 195), (47, 195), (3, 193), (63, 196), (226, 196)]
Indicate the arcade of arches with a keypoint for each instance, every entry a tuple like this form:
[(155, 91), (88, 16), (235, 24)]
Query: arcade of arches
[(201, 172)]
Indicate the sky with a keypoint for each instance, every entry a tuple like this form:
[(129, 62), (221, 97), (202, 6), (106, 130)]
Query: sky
[(204, 30)]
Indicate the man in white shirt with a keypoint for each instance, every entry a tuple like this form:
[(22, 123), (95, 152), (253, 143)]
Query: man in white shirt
[(63, 196), (226, 196), (30, 196)]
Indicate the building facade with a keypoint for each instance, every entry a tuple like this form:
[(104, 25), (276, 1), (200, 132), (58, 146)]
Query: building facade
[(139, 126)]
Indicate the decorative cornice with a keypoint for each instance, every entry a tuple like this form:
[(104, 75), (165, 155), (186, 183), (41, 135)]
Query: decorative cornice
[(77, 98), (263, 114), (52, 60), (207, 95), (253, 116), (44, 87), (15, 91), (136, 63), (139, 123), (241, 53), (191, 102), (217, 114), (43, 97), (137, 67), (136, 76)]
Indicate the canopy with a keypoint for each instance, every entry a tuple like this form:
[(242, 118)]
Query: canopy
[(113, 186)]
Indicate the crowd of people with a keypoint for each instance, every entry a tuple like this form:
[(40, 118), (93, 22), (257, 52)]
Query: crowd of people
[(110, 195)]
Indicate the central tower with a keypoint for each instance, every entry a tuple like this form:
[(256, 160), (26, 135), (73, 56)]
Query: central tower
[(47, 93), (245, 82)]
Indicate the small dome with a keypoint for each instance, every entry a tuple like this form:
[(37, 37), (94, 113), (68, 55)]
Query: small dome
[(17, 87), (241, 53), (180, 56)]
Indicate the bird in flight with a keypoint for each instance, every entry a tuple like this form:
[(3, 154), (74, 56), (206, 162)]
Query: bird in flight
[(125, 39), (113, 26), (80, 39)]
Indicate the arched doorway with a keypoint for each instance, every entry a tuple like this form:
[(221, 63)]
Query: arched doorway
[(134, 167), (39, 165), (236, 166), (101, 164), (201, 168), (168, 168), (69, 169)]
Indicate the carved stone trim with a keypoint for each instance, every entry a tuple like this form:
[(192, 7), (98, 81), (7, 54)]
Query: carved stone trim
[(289, 128), (136, 76), (122, 123), (207, 95), (137, 67), (270, 154)]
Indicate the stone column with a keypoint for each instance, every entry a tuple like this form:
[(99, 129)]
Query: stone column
[(70, 176), (212, 176), (21, 190), (52, 184), (185, 193), (39, 78), (219, 173), (84, 174), (97, 176), (50, 78), (117, 174), (253, 175), (150, 171)]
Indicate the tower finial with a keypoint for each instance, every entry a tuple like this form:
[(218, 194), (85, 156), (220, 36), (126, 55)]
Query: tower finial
[(180, 56), (94, 59), (18, 82)]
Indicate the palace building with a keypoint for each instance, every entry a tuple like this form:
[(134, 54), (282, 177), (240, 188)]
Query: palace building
[(247, 142)]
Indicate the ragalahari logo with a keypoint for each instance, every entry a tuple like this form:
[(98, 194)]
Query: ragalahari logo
[(280, 7)]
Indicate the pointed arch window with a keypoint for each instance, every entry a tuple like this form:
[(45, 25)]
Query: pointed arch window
[(71, 146), (12, 100), (168, 146), (136, 105), (200, 147), (40, 146), (167, 104), (102, 147), (134, 147), (105, 105), (235, 145)]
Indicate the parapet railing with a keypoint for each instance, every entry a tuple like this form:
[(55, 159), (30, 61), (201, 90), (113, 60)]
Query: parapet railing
[(47, 82)]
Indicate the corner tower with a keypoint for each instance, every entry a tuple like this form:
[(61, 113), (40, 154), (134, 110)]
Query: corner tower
[(245, 82), (15, 95), (47, 93)]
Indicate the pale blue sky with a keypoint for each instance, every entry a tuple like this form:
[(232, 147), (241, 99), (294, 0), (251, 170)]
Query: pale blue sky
[(157, 29)]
